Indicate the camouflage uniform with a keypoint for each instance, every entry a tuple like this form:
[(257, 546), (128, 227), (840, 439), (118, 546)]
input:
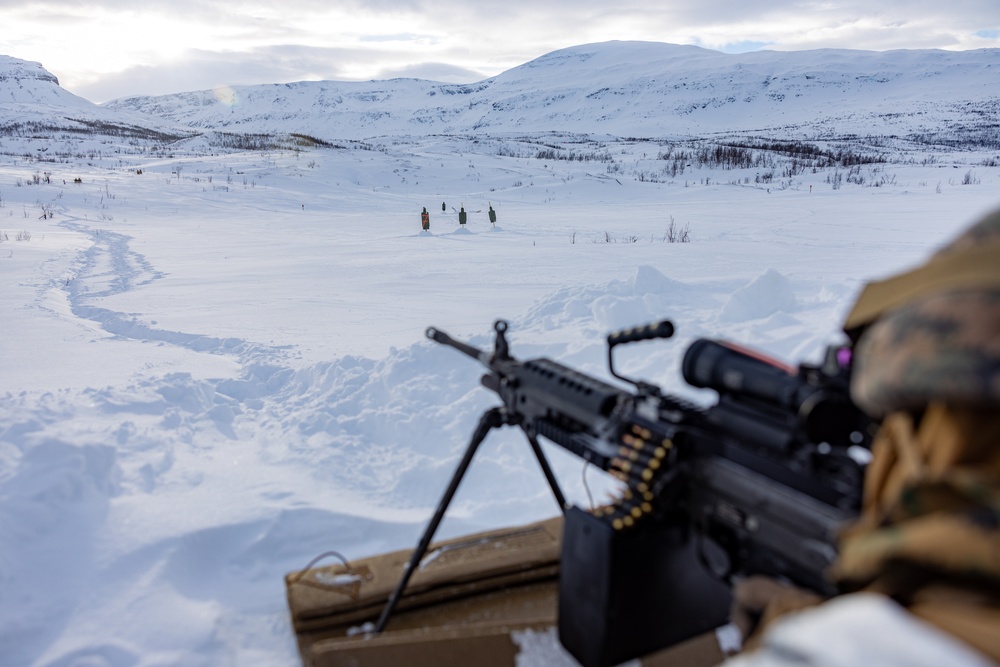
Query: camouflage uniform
[(936, 334), (928, 360)]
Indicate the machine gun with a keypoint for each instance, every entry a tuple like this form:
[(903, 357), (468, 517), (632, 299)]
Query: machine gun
[(758, 483)]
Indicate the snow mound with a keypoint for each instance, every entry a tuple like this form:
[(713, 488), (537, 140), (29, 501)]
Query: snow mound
[(767, 294)]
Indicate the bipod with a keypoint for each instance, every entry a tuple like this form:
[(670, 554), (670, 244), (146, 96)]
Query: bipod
[(491, 419)]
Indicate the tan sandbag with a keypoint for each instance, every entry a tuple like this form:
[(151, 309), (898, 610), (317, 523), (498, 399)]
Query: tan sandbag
[(468, 604), (506, 576), (483, 645)]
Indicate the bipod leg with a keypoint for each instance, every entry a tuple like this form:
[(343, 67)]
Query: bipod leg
[(490, 420), (546, 470)]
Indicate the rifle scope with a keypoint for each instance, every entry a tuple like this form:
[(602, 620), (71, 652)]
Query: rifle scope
[(727, 369), (824, 413)]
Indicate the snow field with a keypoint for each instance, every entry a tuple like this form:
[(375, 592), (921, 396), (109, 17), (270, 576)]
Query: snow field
[(215, 370)]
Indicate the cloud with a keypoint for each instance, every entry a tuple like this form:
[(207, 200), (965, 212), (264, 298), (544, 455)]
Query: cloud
[(399, 37), (202, 70), (113, 48)]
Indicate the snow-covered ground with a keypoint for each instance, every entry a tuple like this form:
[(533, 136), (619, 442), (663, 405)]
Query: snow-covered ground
[(214, 370)]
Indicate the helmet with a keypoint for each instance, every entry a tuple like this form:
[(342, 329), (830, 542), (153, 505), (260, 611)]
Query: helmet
[(933, 333)]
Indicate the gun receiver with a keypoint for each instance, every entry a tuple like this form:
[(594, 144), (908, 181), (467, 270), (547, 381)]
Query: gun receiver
[(758, 483)]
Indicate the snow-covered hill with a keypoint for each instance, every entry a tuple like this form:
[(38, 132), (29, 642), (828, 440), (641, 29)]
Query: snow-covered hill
[(33, 104), (621, 89), (640, 89)]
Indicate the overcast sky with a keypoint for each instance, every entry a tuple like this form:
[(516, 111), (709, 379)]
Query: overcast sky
[(106, 49)]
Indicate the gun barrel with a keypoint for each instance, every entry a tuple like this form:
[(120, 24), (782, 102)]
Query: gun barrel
[(439, 336)]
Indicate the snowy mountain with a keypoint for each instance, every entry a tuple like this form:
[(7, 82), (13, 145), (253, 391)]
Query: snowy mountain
[(622, 89), (640, 89), (32, 104)]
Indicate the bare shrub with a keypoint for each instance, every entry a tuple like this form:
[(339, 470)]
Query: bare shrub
[(677, 234)]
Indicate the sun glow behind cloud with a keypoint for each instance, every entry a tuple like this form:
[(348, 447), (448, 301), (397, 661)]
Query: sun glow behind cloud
[(87, 44)]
